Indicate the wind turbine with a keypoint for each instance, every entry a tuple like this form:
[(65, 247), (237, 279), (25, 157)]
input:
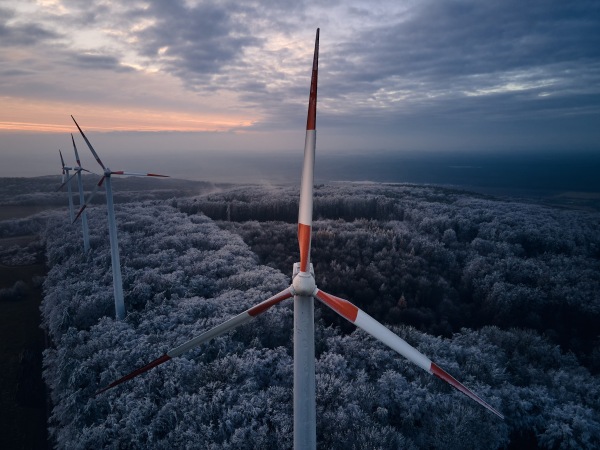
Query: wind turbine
[(84, 221), (66, 179), (112, 225), (304, 290)]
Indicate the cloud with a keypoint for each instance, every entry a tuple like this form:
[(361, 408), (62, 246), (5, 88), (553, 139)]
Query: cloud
[(15, 33), (442, 51), (21, 37), (383, 64), (97, 62), (197, 41)]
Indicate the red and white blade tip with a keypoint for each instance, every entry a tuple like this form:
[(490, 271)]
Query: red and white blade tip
[(443, 375), (135, 373), (80, 212), (66, 181), (387, 337), (311, 120), (137, 174), (90, 197)]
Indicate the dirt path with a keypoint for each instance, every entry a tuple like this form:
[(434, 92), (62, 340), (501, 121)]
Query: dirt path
[(22, 394)]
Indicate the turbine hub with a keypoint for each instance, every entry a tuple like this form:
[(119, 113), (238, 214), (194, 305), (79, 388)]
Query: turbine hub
[(303, 283)]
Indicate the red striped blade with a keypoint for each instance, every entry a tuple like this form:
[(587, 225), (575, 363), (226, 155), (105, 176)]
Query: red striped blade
[(442, 374), (232, 323), (76, 152), (311, 120), (362, 320), (224, 327), (89, 199), (62, 161), (89, 144), (306, 187)]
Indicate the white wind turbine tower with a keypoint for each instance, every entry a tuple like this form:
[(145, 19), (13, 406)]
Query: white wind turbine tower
[(304, 290), (66, 179), (112, 225)]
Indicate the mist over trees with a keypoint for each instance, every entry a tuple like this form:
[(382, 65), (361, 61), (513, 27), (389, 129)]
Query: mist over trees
[(507, 294), (42, 191)]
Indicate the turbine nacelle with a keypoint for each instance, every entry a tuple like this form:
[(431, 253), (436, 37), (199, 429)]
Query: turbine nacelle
[(303, 283)]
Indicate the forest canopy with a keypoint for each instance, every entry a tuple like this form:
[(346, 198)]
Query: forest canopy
[(503, 295)]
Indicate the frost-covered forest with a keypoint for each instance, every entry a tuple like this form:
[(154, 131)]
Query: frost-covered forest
[(503, 295)]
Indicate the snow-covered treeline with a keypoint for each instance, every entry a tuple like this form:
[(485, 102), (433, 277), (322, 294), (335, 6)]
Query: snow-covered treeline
[(183, 274)]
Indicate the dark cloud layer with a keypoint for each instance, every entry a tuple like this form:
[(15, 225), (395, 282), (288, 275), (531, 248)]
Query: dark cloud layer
[(97, 62), (199, 40), (451, 48)]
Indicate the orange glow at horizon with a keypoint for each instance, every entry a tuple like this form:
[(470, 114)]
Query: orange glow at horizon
[(20, 115)]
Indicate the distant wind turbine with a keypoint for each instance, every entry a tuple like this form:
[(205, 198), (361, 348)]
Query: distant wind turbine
[(112, 225), (304, 290), (84, 221), (66, 179)]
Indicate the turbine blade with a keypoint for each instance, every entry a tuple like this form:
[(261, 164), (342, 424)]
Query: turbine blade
[(228, 325), (62, 161), (75, 149), (90, 197), (138, 174), (135, 373), (89, 144), (362, 320), (311, 120), (306, 187), (65, 182)]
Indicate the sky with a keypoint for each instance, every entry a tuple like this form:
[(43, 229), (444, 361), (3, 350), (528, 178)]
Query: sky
[(192, 86)]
